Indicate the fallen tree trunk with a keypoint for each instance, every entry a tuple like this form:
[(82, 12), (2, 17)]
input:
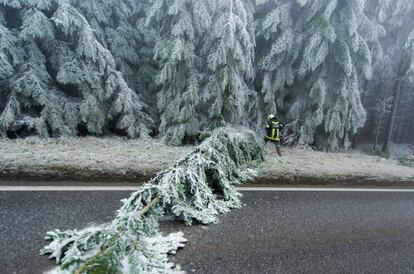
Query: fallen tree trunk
[(199, 187)]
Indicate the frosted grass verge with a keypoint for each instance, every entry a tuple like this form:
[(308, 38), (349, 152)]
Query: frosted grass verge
[(197, 188), (86, 158)]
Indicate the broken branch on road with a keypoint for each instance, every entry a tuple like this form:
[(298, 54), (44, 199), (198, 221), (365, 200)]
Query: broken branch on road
[(198, 188)]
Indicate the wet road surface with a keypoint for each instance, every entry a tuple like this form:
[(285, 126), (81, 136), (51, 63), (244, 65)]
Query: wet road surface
[(275, 232)]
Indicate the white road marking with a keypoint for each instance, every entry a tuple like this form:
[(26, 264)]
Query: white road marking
[(243, 189), (325, 189), (68, 188)]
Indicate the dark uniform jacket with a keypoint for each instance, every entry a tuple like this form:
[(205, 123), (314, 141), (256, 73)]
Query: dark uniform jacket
[(273, 130)]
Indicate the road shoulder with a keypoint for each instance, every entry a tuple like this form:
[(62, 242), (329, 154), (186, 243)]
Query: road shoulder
[(117, 160)]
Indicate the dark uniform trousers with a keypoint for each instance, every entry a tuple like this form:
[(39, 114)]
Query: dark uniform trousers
[(273, 135), (277, 144)]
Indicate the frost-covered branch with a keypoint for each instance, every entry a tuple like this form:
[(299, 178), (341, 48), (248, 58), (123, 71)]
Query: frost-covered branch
[(58, 77), (198, 188)]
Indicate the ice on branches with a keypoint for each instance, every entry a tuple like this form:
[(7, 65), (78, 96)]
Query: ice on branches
[(198, 188), (313, 56), (58, 77)]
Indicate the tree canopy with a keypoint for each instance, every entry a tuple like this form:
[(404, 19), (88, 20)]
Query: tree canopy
[(181, 68)]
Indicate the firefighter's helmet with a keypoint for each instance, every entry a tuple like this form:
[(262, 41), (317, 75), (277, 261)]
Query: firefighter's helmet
[(271, 117)]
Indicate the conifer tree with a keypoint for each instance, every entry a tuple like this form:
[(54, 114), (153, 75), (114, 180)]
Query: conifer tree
[(276, 52), (66, 77), (120, 27), (100, 66), (33, 102), (230, 56), (10, 58), (180, 24), (318, 87)]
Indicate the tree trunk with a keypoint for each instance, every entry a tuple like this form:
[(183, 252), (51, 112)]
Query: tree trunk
[(403, 67), (397, 126), (411, 135), (363, 96), (377, 132), (354, 141), (406, 134), (391, 118), (408, 138)]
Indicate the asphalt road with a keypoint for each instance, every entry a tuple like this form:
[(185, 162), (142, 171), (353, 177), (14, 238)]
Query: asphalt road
[(276, 232)]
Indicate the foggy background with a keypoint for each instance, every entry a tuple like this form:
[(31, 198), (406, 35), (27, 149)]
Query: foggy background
[(337, 73)]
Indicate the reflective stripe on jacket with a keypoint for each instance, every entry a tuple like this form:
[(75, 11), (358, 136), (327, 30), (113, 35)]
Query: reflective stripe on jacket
[(273, 131)]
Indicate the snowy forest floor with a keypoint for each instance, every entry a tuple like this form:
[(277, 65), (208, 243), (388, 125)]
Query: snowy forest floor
[(136, 161), (308, 167), (86, 159)]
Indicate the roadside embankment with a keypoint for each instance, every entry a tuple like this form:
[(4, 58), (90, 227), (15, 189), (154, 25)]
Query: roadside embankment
[(118, 160), (85, 159), (308, 167)]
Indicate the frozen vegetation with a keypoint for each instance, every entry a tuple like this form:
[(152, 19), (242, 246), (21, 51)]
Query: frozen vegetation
[(86, 159), (403, 153), (304, 166), (337, 73), (334, 71), (197, 188), (121, 159)]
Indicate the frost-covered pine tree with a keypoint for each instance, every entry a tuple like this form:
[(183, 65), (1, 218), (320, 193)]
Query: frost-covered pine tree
[(230, 55), (317, 89), (33, 103), (99, 66), (120, 27), (276, 51), (90, 67), (67, 79), (181, 26), (10, 57), (337, 55)]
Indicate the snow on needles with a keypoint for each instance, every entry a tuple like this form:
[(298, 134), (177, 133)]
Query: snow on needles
[(199, 187)]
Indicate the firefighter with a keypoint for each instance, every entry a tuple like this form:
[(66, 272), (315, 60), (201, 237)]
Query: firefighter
[(273, 132)]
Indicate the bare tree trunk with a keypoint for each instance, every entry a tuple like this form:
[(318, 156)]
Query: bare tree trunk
[(406, 133), (403, 67), (398, 130), (376, 139), (363, 96), (391, 119), (408, 118), (354, 141), (409, 133), (377, 131)]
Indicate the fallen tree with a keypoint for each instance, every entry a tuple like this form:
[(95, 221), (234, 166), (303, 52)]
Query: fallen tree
[(198, 188)]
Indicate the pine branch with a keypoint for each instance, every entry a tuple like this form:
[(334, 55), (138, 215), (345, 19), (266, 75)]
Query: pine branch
[(149, 206), (107, 245), (186, 190)]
